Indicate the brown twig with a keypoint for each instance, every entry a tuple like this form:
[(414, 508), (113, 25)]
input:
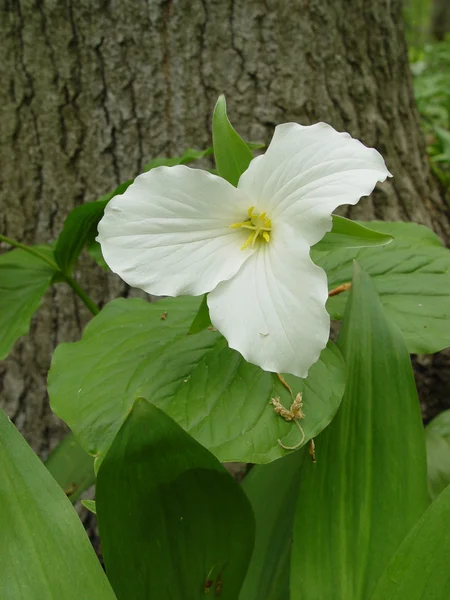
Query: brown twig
[(285, 383), (339, 289)]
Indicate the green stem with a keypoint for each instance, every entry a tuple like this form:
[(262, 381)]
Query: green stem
[(82, 294), (30, 250), (69, 280)]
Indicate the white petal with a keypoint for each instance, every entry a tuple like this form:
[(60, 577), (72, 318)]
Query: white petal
[(307, 172), (273, 310), (169, 233)]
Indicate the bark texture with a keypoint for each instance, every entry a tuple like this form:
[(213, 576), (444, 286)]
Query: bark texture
[(92, 90)]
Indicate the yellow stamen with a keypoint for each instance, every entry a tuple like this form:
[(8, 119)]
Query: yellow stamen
[(259, 225), (236, 225), (250, 240)]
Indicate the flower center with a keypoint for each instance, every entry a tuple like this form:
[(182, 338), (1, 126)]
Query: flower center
[(259, 225)]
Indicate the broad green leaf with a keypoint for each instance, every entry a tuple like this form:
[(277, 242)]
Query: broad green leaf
[(128, 351), (437, 436), (272, 490), (173, 523), (420, 567), (24, 279), (80, 229), (201, 320), (231, 153), (44, 551), (350, 234), (412, 277), (368, 487), (72, 467)]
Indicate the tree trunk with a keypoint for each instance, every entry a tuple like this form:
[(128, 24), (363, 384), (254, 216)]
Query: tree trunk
[(92, 90)]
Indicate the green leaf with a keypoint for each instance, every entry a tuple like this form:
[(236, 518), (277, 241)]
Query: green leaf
[(419, 569), (368, 487), (79, 226), (272, 490), (412, 277), (201, 320), (231, 153), (437, 436), (72, 467), (444, 139), (24, 279), (80, 229), (90, 505), (128, 351), (170, 516), (44, 550), (95, 250), (350, 234), (189, 155)]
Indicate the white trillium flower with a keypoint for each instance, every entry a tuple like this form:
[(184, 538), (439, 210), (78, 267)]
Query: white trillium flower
[(182, 231)]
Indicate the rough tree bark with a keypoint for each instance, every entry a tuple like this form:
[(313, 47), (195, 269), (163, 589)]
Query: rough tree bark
[(92, 90)]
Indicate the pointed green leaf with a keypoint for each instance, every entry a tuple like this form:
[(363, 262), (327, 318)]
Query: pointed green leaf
[(95, 250), (412, 277), (272, 490), (420, 568), (170, 516), (368, 487), (72, 467), (437, 435), (44, 550), (79, 226), (350, 234), (231, 153), (80, 229), (128, 351), (188, 156), (201, 320), (24, 279), (90, 505)]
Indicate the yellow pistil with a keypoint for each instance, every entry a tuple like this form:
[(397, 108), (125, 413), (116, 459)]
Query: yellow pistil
[(260, 226)]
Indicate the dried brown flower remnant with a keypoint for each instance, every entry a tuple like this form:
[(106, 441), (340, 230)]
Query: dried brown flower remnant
[(295, 413)]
